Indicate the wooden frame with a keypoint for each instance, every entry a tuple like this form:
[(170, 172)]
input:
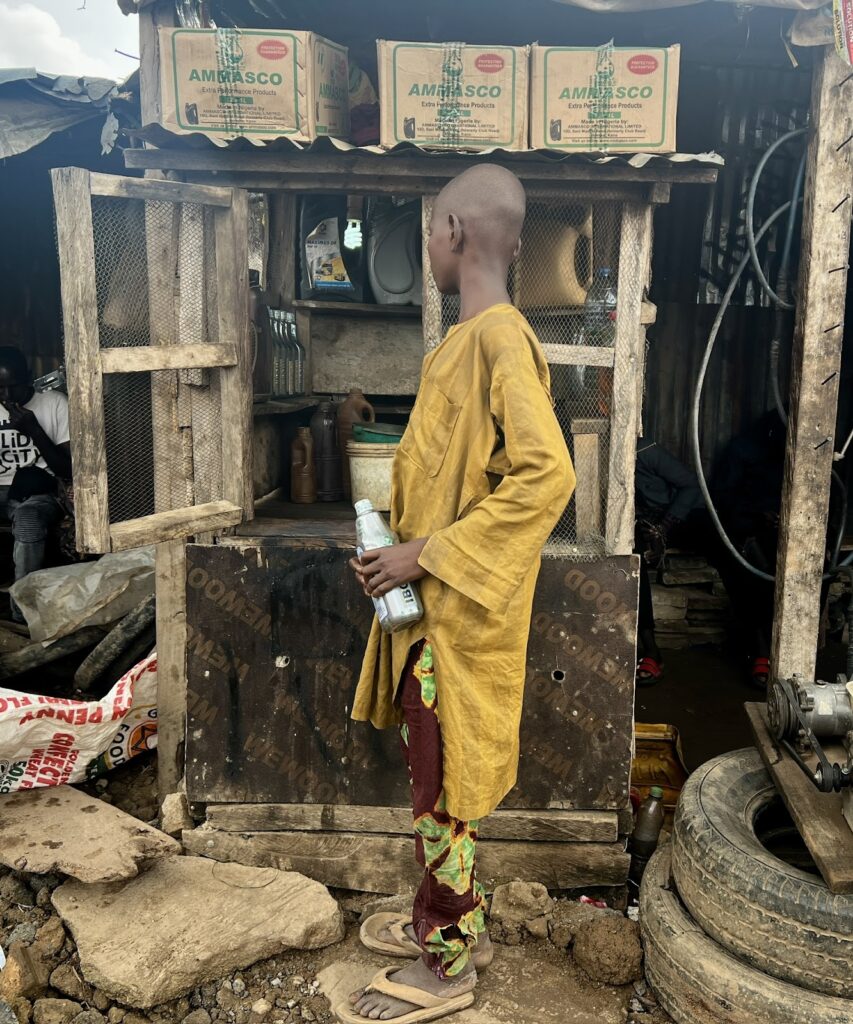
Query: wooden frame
[(815, 371), (176, 348)]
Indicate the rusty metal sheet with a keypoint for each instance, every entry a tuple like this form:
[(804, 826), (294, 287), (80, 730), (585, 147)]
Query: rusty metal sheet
[(276, 631)]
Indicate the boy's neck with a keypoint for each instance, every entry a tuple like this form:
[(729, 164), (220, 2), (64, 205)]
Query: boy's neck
[(479, 289)]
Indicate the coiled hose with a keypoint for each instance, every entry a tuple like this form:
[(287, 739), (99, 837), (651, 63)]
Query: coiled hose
[(781, 301)]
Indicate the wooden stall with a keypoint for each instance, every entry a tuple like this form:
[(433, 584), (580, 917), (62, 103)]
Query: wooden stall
[(260, 635)]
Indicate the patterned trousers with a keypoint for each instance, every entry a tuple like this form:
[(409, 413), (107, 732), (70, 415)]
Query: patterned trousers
[(449, 908)]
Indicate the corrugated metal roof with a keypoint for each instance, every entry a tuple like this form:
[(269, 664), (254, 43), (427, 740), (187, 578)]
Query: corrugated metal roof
[(33, 106)]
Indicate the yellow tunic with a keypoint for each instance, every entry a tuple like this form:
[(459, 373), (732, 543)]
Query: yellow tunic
[(483, 471)]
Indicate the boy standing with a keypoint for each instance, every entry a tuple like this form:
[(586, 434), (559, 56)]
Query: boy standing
[(480, 479)]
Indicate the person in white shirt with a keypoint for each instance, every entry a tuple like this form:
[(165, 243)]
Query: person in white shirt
[(34, 452)]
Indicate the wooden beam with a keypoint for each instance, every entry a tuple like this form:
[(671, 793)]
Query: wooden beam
[(170, 583), (151, 17), (579, 355), (379, 863), (144, 359), (817, 815), (232, 305), (535, 826), (634, 249), (179, 522), (383, 168), (587, 461), (117, 187), (75, 239), (815, 370), (431, 309)]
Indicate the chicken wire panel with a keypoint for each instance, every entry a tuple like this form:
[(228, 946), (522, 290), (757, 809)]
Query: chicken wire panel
[(156, 285), (565, 281)]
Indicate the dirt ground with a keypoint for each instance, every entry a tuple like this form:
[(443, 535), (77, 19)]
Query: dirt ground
[(531, 983)]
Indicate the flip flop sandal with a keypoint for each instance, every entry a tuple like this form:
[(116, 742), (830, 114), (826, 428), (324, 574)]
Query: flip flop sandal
[(653, 671), (431, 1007), (404, 947)]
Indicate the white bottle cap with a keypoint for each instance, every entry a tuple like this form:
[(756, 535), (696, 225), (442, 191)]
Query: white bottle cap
[(363, 506)]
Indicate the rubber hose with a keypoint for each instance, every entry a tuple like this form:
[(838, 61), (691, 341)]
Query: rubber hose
[(120, 637), (751, 238), (697, 398), (850, 628)]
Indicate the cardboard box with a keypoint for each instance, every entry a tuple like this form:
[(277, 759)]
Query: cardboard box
[(452, 95), (230, 82), (608, 98)]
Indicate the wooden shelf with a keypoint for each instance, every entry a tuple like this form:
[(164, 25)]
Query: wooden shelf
[(356, 308), (283, 406)]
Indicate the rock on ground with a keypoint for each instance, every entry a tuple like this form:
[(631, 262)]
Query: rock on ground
[(568, 918), (175, 814), (520, 909), (7, 1014), (187, 920), (608, 949), (58, 828), (55, 1011)]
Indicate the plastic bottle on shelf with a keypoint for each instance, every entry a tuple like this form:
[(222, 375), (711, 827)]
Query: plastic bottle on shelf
[(355, 408), (599, 316), (303, 477), (298, 353), (401, 606), (327, 458), (647, 828)]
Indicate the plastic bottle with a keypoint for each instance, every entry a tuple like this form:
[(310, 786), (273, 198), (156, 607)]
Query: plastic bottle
[(327, 458), (354, 409), (600, 310), (401, 606), (644, 839), (279, 353), (298, 355), (303, 478)]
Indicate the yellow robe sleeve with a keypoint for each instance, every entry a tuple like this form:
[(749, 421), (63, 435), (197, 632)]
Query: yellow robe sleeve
[(486, 554)]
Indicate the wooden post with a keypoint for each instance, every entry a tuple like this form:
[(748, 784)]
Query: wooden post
[(151, 18), (170, 570), (431, 309), (815, 366), (75, 239), (634, 248)]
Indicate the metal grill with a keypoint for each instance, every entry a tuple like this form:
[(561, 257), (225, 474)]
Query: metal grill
[(155, 284), (563, 245)]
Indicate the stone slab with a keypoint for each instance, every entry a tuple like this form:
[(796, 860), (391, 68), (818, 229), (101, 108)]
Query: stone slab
[(60, 828), (188, 920)]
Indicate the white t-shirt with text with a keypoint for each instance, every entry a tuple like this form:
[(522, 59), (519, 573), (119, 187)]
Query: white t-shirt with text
[(16, 449)]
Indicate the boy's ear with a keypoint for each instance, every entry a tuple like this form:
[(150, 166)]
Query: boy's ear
[(455, 232), (516, 250)]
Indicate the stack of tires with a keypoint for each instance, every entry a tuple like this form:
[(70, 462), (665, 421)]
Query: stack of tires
[(733, 933)]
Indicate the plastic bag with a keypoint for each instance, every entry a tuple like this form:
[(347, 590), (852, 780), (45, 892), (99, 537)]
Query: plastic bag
[(59, 601), (48, 741)]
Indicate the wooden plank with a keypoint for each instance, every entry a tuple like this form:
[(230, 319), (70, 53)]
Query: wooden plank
[(232, 296), (531, 826), (377, 863), (370, 309), (817, 815), (579, 355), (431, 311), (151, 17), (178, 522), (118, 187), (171, 595), (276, 616), (634, 246), (418, 167), (378, 356), (166, 357), (587, 463), (75, 240), (815, 370)]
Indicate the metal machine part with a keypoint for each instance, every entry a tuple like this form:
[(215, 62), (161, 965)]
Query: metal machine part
[(800, 712)]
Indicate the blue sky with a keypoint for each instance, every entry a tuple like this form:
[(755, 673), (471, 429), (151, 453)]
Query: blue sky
[(66, 37)]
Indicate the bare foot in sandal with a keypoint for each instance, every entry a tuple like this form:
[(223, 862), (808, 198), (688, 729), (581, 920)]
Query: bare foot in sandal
[(377, 1006)]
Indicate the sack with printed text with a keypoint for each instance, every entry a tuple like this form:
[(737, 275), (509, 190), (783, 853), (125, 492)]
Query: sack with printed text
[(48, 741)]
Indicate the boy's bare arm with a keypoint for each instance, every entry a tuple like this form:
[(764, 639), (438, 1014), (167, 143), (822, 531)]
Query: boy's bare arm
[(381, 570)]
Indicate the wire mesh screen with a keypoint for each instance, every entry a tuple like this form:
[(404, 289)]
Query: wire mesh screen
[(565, 281), (156, 285)]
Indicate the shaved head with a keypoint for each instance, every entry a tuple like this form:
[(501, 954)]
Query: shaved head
[(477, 216)]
